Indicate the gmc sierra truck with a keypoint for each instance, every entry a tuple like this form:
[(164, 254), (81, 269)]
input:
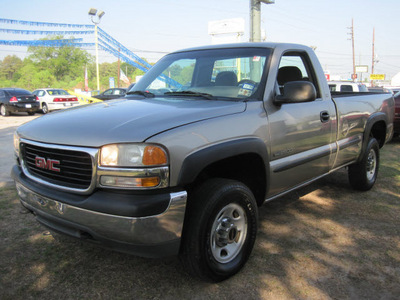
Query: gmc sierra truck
[(181, 164)]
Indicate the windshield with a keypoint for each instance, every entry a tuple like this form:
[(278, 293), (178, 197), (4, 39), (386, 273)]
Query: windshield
[(212, 74)]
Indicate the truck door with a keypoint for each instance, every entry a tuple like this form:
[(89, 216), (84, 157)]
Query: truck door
[(302, 134)]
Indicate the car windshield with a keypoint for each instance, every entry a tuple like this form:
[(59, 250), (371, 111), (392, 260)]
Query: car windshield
[(221, 74), (57, 92)]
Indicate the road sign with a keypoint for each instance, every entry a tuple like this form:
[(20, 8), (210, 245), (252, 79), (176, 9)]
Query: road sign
[(377, 76)]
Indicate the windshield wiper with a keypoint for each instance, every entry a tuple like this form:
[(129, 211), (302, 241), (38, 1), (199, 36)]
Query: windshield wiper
[(190, 93), (146, 94)]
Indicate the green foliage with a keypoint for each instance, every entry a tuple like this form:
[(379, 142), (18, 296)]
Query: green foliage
[(60, 67), (9, 66)]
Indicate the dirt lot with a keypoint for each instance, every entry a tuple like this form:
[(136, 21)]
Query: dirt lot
[(324, 241)]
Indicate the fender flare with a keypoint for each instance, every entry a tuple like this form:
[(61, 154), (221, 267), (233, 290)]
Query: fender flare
[(199, 160), (372, 120)]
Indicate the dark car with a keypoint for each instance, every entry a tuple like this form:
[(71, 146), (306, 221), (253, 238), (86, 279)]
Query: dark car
[(396, 121), (18, 100), (113, 93)]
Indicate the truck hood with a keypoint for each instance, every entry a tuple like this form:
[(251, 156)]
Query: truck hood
[(122, 120)]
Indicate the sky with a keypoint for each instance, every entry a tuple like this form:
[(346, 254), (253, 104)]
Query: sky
[(153, 28)]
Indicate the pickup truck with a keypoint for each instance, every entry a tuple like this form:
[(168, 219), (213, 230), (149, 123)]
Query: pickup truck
[(182, 163)]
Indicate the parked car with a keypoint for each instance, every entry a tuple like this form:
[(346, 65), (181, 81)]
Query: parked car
[(113, 93), (396, 121), (130, 86), (53, 99), (347, 86), (17, 100)]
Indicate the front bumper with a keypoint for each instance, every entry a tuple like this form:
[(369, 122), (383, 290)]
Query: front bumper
[(144, 235)]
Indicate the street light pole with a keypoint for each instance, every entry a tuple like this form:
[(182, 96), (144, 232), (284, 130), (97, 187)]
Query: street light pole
[(94, 13)]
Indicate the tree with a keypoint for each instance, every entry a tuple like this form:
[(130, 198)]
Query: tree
[(9, 66), (61, 61)]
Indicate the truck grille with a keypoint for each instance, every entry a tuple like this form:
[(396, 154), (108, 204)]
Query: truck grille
[(64, 167)]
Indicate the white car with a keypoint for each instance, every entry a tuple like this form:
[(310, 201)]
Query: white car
[(347, 86), (53, 99)]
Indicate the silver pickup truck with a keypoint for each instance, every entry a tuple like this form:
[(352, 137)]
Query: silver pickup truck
[(181, 164)]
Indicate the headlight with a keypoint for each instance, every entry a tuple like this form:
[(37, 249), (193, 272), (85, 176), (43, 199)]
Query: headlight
[(132, 155), (16, 143), (133, 166)]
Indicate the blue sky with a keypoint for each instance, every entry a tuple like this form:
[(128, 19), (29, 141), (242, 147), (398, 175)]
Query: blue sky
[(152, 28)]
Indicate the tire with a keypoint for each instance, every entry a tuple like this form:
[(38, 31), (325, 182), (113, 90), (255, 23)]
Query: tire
[(3, 111), (220, 229), (362, 175), (45, 109)]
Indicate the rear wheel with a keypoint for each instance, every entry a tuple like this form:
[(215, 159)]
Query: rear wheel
[(220, 229), (4, 111), (362, 175), (45, 109)]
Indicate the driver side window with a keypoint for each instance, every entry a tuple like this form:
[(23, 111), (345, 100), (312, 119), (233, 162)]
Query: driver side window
[(295, 66)]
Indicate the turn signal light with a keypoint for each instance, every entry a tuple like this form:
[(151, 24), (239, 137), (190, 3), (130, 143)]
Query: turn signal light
[(154, 155)]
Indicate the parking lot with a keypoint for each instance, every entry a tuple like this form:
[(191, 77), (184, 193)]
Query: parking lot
[(7, 127)]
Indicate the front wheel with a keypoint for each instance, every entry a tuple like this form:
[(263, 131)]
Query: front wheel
[(220, 229), (362, 175)]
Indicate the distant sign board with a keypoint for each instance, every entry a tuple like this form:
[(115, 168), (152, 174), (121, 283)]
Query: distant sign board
[(361, 69), (377, 76), (111, 81)]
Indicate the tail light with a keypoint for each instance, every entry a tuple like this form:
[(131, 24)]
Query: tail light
[(73, 99), (58, 100), (37, 98), (14, 99)]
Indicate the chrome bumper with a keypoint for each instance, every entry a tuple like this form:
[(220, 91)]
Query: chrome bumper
[(157, 230)]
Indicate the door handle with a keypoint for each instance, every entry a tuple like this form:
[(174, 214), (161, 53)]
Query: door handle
[(324, 116)]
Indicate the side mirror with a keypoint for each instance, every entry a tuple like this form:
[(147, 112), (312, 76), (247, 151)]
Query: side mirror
[(296, 92)]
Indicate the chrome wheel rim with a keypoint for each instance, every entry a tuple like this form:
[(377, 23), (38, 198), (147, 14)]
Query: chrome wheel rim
[(3, 110), (228, 233), (371, 164)]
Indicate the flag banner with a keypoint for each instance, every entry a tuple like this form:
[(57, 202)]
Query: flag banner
[(125, 50), (45, 32), (30, 23), (123, 77), (46, 43)]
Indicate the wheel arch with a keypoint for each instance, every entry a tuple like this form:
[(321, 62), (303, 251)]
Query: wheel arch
[(245, 160), (375, 127)]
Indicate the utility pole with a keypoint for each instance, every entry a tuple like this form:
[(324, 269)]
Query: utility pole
[(373, 55), (353, 76), (255, 19)]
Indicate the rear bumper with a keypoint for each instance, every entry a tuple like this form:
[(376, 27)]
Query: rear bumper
[(23, 107), (61, 105), (148, 236)]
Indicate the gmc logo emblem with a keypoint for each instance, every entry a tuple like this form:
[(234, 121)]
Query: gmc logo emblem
[(49, 164)]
